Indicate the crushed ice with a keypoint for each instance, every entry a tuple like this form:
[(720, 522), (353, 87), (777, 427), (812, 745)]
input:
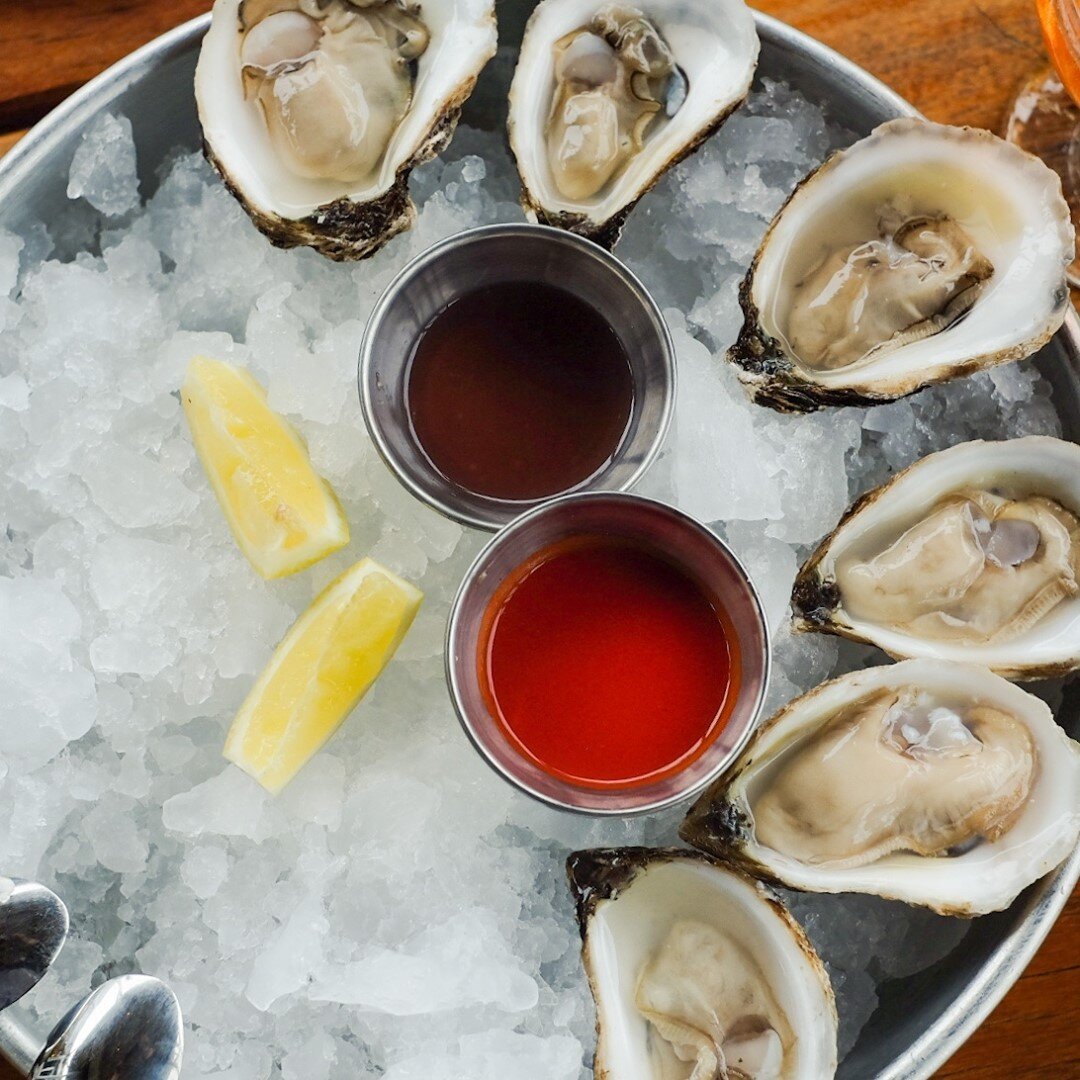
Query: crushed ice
[(399, 911), (103, 168)]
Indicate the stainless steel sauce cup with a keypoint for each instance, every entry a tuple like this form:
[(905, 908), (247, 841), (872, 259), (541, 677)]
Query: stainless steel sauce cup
[(488, 256), (692, 547)]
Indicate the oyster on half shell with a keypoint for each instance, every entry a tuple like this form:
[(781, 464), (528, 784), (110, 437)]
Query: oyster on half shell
[(934, 783), (698, 972), (314, 112), (919, 254), (972, 554), (607, 96)]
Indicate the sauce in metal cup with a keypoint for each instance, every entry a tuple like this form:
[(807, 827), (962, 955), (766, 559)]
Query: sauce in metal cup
[(483, 443), (695, 559)]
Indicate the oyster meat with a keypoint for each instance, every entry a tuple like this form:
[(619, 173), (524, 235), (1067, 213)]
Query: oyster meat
[(916, 279), (935, 783), (979, 568), (315, 111), (971, 554), (698, 972), (919, 254), (606, 97), (612, 78), (332, 81)]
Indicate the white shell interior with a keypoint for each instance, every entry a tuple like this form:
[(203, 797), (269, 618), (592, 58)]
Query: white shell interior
[(624, 933), (990, 875), (463, 39), (1007, 201), (715, 43), (1032, 465)]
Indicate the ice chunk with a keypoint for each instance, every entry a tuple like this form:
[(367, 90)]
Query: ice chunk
[(133, 577), (462, 963), (47, 698), (229, 804), (313, 1059), (293, 954), (134, 490), (32, 809), (723, 471), (10, 248), (317, 794), (204, 870), (103, 168), (115, 838), (498, 1055), (311, 384), (771, 565), (14, 393)]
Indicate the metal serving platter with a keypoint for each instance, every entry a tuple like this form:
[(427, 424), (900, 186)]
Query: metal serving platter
[(921, 1020)]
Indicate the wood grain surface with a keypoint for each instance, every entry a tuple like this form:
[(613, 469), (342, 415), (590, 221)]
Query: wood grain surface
[(959, 61)]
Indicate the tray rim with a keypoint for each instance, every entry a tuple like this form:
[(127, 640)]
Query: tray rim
[(1044, 901)]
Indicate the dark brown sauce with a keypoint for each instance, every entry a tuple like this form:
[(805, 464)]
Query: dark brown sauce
[(519, 391)]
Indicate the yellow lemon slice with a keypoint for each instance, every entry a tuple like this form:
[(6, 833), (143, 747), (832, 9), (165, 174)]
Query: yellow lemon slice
[(283, 514), (321, 669)]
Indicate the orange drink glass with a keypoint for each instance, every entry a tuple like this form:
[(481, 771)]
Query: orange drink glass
[(1044, 118)]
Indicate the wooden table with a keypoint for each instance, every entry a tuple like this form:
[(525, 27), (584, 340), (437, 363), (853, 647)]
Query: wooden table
[(957, 60)]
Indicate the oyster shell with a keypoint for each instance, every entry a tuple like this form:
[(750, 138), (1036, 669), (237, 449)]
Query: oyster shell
[(935, 783), (972, 554), (314, 112), (607, 96), (697, 971), (919, 254)]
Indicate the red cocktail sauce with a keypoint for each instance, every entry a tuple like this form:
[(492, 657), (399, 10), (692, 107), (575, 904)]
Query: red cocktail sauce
[(606, 665)]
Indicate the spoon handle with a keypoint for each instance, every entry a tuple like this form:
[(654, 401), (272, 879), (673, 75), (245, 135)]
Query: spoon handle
[(20, 1047)]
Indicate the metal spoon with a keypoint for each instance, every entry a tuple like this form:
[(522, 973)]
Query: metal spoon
[(33, 927), (129, 1028)]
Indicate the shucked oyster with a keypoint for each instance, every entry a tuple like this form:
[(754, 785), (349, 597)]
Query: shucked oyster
[(935, 783), (918, 254), (971, 554), (315, 111), (606, 97), (698, 972)]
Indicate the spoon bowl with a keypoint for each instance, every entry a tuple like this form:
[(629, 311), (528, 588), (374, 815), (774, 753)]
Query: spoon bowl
[(33, 928), (129, 1028)]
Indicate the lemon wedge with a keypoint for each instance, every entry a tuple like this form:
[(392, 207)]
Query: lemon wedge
[(321, 669), (283, 514)]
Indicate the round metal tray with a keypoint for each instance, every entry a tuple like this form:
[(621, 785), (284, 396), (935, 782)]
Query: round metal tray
[(921, 1020)]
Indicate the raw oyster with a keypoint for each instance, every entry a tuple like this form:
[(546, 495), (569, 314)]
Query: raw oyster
[(314, 112), (971, 554), (935, 783), (697, 972), (607, 96), (919, 254)]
